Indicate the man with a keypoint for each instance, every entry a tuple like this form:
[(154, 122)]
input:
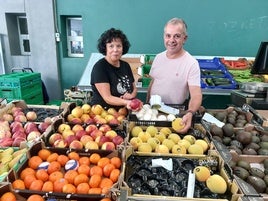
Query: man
[(175, 73)]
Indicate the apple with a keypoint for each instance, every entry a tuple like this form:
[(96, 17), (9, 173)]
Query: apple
[(88, 120), (135, 142), (30, 126), (76, 120), (54, 137), (101, 139), (121, 118), (105, 127), (67, 133), (123, 111), (97, 109), (111, 134), (6, 142), (91, 145), (77, 111), (109, 117), (108, 146), (21, 118), (85, 138), (94, 134), (84, 117), (19, 134), (17, 128), (86, 108), (135, 104), (77, 127), (69, 139), (100, 120), (15, 123), (33, 136), (118, 140), (8, 117), (70, 117), (31, 115), (90, 128), (63, 126), (80, 134), (60, 143), (5, 133), (104, 113), (17, 141), (15, 109), (48, 120), (112, 111), (18, 112), (114, 122), (76, 144), (42, 127)]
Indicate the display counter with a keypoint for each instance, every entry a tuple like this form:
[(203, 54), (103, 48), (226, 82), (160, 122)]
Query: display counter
[(212, 98)]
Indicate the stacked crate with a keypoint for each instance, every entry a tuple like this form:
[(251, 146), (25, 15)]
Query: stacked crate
[(26, 86)]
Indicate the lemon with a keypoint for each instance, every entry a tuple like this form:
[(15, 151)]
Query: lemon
[(203, 143), (177, 124), (202, 173), (216, 184), (195, 149)]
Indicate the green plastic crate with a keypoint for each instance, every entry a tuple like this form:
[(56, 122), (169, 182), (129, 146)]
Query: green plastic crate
[(146, 69), (145, 81), (149, 58), (16, 80)]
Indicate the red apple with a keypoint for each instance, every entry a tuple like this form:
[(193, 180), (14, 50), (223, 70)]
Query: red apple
[(90, 128), (89, 120), (123, 111), (76, 144), (33, 136), (86, 108), (31, 115), (18, 112), (30, 126), (117, 140), (60, 143), (14, 109), (6, 142), (63, 126), (97, 109), (101, 139), (76, 120), (21, 118), (108, 146), (17, 141), (18, 134), (105, 127), (94, 134), (42, 127), (8, 117), (80, 134), (69, 139), (111, 111), (77, 127), (111, 134), (136, 104), (15, 124), (66, 133), (85, 139), (114, 122), (91, 145), (77, 111), (54, 137)]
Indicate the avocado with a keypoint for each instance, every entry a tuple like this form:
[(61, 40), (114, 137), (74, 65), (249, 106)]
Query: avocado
[(256, 172), (241, 172), (216, 131), (244, 137), (263, 145), (255, 138), (237, 144), (226, 141), (254, 146), (244, 164), (264, 138), (257, 183), (262, 151), (228, 129), (241, 116), (221, 116), (249, 151)]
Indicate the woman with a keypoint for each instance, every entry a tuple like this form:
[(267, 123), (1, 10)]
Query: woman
[(112, 80)]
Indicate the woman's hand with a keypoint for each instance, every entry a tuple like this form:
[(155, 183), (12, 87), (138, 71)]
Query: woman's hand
[(127, 96)]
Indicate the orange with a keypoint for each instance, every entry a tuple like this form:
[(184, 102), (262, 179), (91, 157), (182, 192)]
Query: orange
[(70, 175), (36, 185), (28, 180), (94, 191), (106, 182), (42, 175), (35, 197), (47, 186), (94, 181), (94, 158), (103, 161), (53, 166), (84, 160), (85, 169), (96, 170), (34, 162), (115, 175), (105, 190), (74, 155), (69, 188), (18, 184), (55, 176), (107, 169), (116, 161), (58, 185), (52, 157), (81, 178), (82, 188), (62, 159), (26, 171), (44, 153), (8, 196)]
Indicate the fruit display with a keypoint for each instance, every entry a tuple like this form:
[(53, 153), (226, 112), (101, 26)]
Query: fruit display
[(11, 158), (78, 175), (145, 177), (239, 64), (95, 114), (84, 136), (165, 140)]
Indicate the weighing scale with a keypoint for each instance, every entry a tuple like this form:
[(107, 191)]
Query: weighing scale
[(256, 99)]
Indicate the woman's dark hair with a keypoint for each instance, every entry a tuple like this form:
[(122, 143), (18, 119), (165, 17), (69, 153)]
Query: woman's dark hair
[(108, 36)]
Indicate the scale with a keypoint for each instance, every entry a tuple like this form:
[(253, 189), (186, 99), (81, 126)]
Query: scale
[(256, 95)]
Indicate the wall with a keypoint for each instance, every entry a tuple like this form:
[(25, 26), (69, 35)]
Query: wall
[(44, 58), (215, 27)]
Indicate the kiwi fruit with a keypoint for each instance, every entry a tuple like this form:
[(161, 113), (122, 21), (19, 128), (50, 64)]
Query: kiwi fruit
[(244, 137), (221, 116), (241, 172), (256, 172), (226, 141), (257, 183)]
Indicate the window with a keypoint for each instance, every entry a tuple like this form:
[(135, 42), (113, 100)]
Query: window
[(23, 35), (75, 44)]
